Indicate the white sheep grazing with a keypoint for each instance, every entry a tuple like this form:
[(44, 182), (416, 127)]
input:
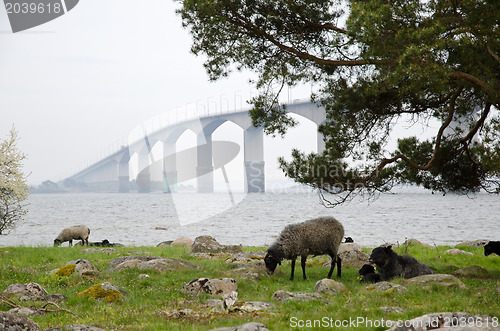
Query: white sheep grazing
[(78, 232), (318, 236)]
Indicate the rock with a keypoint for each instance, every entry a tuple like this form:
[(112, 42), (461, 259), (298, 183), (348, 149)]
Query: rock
[(246, 257), (49, 297), (329, 286), (142, 276), (353, 259), (106, 250), (446, 321), (254, 326), (158, 263), (445, 280), (413, 241), (348, 247), (252, 306), (211, 286), (456, 251), (285, 296), (15, 322), (386, 287), (254, 271), (178, 313), (29, 312), (80, 267), (207, 244), (167, 264), (217, 305), (137, 252), (474, 243), (389, 309), (229, 299), (245, 306), (352, 256), (165, 243), (76, 327), (473, 271), (105, 291), (182, 242), (32, 290)]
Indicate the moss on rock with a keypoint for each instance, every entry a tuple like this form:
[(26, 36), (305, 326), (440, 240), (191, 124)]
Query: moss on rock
[(105, 291), (65, 270)]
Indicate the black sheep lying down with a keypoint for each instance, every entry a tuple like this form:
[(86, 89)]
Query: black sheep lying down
[(390, 264), (368, 273), (492, 247)]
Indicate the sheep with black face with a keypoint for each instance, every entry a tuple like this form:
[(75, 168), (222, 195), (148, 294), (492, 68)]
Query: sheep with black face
[(320, 236), (78, 232)]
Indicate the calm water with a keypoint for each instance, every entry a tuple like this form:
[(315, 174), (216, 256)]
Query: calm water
[(147, 219)]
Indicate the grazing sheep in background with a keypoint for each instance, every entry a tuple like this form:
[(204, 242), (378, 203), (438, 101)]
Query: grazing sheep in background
[(492, 247), (390, 265), (368, 273), (318, 236), (348, 240), (78, 232)]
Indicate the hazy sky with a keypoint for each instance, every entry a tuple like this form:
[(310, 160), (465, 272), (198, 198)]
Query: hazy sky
[(76, 86)]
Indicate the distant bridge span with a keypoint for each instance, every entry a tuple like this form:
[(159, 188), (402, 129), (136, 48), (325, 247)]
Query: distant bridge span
[(111, 173)]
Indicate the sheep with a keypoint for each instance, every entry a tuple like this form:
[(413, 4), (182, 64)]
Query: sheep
[(367, 271), (318, 236), (390, 264), (78, 232), (492, 247)]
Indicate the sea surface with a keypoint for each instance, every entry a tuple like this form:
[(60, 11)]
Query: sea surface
[(255, 219)]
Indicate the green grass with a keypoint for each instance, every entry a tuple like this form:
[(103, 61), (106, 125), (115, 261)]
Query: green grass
[(150, 298)]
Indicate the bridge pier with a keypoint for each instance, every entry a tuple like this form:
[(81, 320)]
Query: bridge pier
[(320, 143), (169, 168), (123, 175), (204, 168), (253, 141), (144, 176)]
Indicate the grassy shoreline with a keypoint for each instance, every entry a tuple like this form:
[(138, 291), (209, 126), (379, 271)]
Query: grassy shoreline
[(152, 299)]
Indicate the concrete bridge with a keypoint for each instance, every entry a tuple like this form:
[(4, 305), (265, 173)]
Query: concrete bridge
[(111, 173)]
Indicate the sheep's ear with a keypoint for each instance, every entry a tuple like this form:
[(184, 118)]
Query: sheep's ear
[(389, 248)]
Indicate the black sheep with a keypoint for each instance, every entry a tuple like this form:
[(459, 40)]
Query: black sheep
[(390, 265), (492, 247), (368, 273), (319, 236)]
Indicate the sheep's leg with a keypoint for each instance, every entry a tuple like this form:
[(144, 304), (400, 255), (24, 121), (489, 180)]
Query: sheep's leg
[(334, 259), (293, 269), (303, 265), (339, 266), (70, 243)]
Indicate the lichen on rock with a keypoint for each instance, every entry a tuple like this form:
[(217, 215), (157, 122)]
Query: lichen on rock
[(65, 270), (105, 291)]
